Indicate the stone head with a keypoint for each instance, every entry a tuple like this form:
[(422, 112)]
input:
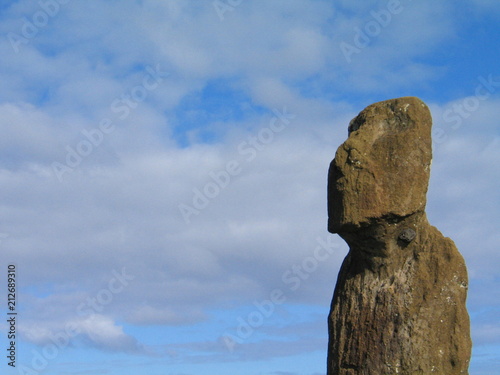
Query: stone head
[(381, 172)]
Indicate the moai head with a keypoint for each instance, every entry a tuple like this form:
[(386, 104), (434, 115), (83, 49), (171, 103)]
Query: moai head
[(381, 172)]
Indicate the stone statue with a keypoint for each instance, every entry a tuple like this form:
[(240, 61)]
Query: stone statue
[(399, 303)]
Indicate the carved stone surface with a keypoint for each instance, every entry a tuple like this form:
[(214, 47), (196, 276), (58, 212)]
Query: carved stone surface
[(399, 303)]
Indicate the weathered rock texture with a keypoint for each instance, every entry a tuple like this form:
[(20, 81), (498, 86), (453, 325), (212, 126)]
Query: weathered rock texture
[(399, 302)]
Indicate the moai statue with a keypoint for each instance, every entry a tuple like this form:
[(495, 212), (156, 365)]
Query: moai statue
[(399, 303)]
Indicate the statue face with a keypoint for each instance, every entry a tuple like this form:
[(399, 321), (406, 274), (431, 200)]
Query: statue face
[(381, 172)]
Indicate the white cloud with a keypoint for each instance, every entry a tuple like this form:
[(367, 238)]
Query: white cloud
[(96, 331), (147, 315), (104, 333), (28, 135)]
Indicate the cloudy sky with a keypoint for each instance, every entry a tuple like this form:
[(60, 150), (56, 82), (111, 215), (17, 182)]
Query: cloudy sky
[(163, 172)]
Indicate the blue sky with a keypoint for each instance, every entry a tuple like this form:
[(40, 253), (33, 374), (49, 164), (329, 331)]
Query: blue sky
[(163, 172)]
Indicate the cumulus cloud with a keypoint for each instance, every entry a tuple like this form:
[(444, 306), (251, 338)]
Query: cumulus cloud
[(97, 331)]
